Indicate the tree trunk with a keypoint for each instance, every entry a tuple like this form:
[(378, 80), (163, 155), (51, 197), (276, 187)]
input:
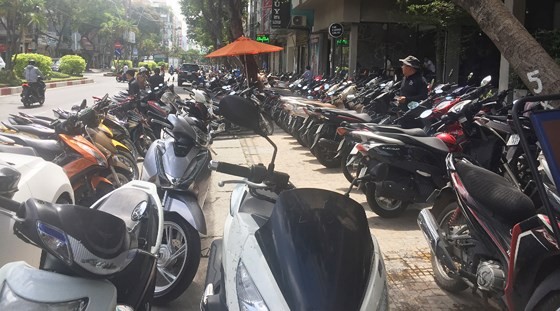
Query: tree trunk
[(236, 25), (526, 56)]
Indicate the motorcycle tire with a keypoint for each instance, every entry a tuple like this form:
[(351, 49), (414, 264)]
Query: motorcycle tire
[(550, 302), (130, 145), (351, 170), (142, 141), (444, 209), (41, 101), (126, 157), (326, 156), (184, 266), (302, 139), (384, 207)]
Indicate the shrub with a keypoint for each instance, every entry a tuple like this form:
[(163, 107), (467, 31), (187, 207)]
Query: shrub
[(8, 77), (59, 75), (151, 64), (166, 65), (121, 62), (41, 61), (73, 65)]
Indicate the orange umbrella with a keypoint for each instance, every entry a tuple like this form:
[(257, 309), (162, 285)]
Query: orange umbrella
[(244, 46)]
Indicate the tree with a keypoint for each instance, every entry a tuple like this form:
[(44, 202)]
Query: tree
[(18, 16), (236, 31), (538, 71), (206, 20)]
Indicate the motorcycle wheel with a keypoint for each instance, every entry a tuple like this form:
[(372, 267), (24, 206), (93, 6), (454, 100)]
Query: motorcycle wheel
[(382, 206), (129, 160), (441, 275), (178, 259), (130, 145), (142, 142), (302, 138), (41, 101), (550, 302), (325, 156), (351, 166)]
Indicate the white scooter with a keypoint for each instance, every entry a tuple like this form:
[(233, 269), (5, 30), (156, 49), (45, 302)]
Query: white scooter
[(32, 184), (98, 258), (290, 249)]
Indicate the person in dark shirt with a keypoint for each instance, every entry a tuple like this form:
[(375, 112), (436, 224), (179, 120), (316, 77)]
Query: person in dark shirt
[(156, 79), (133, 87), (414, 86)]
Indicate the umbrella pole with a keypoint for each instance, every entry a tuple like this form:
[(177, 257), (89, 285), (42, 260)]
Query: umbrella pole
[(246, 71)]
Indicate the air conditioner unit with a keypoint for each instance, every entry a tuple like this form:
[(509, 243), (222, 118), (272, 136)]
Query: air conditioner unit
[(299, 21)]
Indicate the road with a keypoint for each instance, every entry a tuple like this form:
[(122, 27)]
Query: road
[(411, 285)]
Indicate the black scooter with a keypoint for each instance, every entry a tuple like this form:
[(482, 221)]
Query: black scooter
[(32, 94)]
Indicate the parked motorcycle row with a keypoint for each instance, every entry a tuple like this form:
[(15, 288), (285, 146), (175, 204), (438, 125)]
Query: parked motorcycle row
[(459, 150), (129, 243)]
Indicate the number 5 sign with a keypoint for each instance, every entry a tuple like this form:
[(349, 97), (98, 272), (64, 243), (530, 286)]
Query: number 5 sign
[(533, 77)]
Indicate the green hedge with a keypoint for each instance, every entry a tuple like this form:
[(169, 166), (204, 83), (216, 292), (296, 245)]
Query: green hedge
[(41, 61), (166, 65), (120, 64), (151, 64), (72, 65)]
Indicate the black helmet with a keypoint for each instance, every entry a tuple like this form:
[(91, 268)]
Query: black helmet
[(31, 62)]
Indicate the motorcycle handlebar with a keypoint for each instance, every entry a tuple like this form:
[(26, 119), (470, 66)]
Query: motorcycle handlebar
[(230, 169), (9, 204)]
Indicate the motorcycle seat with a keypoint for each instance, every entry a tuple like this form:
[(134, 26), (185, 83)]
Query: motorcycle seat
[(18, 150), (495, 193), (36, 130), (426, 142), (47, 149), (364, 117), (394, 129)]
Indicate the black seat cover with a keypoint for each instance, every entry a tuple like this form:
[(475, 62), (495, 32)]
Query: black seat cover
[(394, 129), (495, 193), (47, 149), (426, 142), (353, 114), (41, 132)]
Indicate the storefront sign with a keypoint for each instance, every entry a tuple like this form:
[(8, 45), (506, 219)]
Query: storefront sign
[(342, 42), (280, 14), (263, 38), (336, 30)]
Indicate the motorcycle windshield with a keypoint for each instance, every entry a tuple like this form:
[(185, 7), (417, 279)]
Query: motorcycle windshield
[(318, 246)]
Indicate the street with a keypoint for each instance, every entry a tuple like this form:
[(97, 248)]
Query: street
[(406, 254)]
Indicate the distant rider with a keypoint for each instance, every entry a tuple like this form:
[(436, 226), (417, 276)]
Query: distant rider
[(307, 75), (156, 79), (33, 76), (133, 87)]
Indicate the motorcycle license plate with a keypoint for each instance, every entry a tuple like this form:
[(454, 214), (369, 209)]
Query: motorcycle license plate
[(362, 172), (319, 129), (340, 145), (513, 140)]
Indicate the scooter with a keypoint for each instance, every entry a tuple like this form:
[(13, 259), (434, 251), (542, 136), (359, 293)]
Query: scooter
[(99, 258), (286, 248), (178, 165), (31, 95)]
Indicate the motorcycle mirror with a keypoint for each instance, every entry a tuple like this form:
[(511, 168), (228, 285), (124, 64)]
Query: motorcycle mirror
[(75, 108), (242, 112), (83, 105), (469, 77), (413, 105), (486, 80), (426, 114), (9, 179)]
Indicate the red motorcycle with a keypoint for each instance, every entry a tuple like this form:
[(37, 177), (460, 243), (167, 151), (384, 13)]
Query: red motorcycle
[(484, 233)]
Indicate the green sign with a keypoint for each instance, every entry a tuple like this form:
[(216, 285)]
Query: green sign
[(342, 42), (263, 38)]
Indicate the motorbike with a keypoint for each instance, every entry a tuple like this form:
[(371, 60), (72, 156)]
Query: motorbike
[(98, 258), (31, 95), (487, 235), (121, 77), (58, 190), (286, 248), (178, 165)]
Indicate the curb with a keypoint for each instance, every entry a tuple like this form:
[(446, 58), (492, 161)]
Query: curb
[(17, 89)]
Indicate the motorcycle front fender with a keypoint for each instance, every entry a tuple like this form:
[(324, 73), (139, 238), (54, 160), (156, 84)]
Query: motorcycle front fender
[(186, 206)]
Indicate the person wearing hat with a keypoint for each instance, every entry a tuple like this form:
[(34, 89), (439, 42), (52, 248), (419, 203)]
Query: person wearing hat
[(34, 77), (413, 87)]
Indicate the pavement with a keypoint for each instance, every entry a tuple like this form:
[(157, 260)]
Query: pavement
[(406, 253)]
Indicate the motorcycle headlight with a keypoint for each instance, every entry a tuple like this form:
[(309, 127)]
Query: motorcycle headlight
[(247, 293), (56, 240), (9, 300)]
